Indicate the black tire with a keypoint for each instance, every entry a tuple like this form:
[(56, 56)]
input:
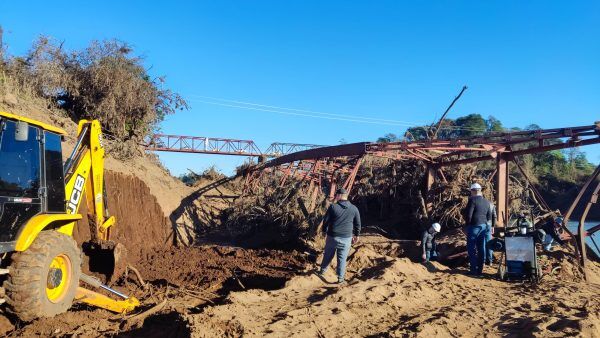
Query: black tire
[(30, 275)]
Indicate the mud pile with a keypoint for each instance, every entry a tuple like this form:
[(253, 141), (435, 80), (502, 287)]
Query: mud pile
[(141, 223), (187, 279), (215, 267), (199, 212), (387, 296)]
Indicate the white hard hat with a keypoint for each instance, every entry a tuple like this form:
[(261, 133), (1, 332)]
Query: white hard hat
[(437, 227), (475, 186)]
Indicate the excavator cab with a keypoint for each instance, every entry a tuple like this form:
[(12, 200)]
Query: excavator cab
[(31, 176), (39, 207)]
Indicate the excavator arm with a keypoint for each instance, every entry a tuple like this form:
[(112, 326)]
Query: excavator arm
[(84, 172), (84, 176)]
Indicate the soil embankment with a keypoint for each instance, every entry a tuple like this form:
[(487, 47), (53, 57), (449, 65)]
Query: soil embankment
[(141, 223), (388, 296), (187, 279)]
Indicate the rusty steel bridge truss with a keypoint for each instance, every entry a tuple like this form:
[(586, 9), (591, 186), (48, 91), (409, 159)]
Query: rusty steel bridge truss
[(334, 166), (324, 168), (220, 146)]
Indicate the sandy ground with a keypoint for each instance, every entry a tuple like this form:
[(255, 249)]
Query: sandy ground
[(215, 291), (187, 280), (391, 296)]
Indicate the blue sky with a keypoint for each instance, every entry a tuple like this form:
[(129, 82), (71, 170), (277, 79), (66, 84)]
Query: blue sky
[(524, 62)]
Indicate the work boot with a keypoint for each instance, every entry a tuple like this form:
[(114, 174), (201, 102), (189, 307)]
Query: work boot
[(474, 274), (321, 275), (341, 283)]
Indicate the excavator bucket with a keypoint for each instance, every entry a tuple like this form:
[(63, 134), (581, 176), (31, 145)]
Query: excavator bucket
[(106, 258)]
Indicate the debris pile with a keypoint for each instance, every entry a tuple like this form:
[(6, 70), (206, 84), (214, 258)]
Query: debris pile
[(276, 215)]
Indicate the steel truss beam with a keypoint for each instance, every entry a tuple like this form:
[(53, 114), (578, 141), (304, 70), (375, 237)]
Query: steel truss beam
[(202, 145), (220, 146)]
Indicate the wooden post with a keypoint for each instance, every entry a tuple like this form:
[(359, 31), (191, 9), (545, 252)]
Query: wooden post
[(430, 178), (429, 181), (502, 190)]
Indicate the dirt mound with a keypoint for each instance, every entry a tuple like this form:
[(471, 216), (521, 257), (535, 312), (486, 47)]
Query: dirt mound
[(199, 213), (208, 267), (141, 223), (393, 297), (189, 279)]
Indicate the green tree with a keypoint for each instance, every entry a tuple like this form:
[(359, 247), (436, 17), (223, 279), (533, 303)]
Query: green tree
[(493, 124), (533, 126), (387, 138), (417, 133), (470, 125)]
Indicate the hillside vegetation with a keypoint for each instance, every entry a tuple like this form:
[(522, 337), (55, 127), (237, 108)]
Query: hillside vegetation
[(104, 81)]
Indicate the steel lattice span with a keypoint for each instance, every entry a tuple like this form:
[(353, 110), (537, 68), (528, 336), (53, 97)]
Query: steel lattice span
[(328, 167), (220, 146), (338, 165)]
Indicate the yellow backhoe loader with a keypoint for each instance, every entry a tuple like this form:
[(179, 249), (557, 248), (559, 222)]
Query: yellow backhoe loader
[(40, 199)]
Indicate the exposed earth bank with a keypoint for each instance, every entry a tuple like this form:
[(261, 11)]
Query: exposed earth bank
[(392, 296)]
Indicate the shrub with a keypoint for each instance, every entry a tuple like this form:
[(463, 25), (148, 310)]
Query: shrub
[(104, 81)]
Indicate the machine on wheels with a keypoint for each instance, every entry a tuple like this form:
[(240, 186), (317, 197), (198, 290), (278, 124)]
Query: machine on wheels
[(519, 257), (39, 203)]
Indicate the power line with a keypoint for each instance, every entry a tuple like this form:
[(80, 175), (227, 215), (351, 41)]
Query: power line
[(348, 119), (320, 115), (304, 110)]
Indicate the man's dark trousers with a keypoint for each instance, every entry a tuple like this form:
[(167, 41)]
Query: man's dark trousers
[(476, 235)]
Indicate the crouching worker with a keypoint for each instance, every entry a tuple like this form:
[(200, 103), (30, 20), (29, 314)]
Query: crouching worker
[(551, 229), (428, 243), (342, 227)]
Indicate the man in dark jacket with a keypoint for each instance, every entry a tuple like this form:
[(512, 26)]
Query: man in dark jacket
[(342, 227), (477, 215)]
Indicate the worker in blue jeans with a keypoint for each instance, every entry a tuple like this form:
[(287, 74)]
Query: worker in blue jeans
[(477, 215), (489, 253), (342, 225)]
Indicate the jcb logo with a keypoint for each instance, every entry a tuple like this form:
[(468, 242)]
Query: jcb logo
[(76, 194)]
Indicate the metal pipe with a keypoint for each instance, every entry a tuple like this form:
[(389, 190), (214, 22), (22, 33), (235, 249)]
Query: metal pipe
[(70, 161), (95, 282)]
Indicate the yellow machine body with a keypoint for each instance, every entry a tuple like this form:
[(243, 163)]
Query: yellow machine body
[(84, 176)]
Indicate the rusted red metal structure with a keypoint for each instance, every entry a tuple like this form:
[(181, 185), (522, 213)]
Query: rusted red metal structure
[(582, 233), (499, 147), (220, 146), (202, 145), (328, 167), (293, 159)]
